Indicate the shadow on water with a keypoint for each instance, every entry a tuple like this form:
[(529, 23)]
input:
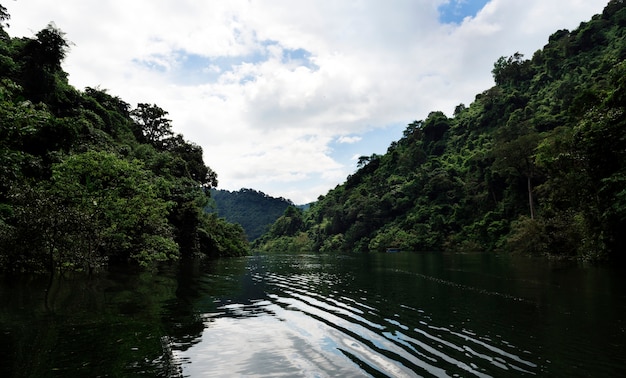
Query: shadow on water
[(322, 315), (84, 326)]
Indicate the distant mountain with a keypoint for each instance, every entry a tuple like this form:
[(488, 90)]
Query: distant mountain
[(255, 211)]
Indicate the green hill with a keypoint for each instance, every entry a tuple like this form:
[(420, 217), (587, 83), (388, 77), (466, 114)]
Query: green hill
[(255, 211), (85, 180), (535, 164)]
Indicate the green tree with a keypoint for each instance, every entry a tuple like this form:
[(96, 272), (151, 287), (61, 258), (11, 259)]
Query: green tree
[(4, 18), (84, 182), (514, 154), (42, 77), (97, 208), (218, 238), (152, 124), (511, 70), (289, 224), (255, 211), (192, 163), (534, 164)]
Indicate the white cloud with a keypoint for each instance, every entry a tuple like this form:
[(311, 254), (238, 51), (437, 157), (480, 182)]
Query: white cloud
[(348, 139), (275, 83)]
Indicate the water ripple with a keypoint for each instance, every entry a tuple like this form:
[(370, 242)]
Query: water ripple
[(317, 329)]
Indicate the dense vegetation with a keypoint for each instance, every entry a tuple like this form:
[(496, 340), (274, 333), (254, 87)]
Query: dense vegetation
[(255, 211), (85, 180), (535, 164)]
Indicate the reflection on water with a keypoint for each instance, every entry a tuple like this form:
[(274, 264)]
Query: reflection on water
[(76, 326), (397, 315), (400, 316)]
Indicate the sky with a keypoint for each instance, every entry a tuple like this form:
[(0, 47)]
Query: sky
[(285, 95)]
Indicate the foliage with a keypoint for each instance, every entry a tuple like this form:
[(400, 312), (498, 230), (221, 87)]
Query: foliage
[(286, 234), (536, 164), (85, 181), (152, 124), (255, 211), (222, 238)]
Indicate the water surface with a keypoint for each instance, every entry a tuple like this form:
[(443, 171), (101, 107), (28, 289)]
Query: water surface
[(313, 315)]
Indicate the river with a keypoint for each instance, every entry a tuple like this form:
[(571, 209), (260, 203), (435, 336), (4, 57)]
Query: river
[(398, 315)]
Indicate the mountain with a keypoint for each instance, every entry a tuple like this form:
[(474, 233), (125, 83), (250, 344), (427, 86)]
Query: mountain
[(86, 180), (255, 211), (536, 164)]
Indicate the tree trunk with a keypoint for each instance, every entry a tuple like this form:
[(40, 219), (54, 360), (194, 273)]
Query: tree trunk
[(530, 199)]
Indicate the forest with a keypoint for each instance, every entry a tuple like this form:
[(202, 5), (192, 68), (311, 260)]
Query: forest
[(254, 210), (87, 181), (536, 164)]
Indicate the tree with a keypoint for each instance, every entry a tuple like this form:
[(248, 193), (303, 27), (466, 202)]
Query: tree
[(514, 153), (535, 163), (52, 46), (4, 17), (152, 124), (121, 208), (83, 182), (511, 70), (289, 224), (219, 238), (193, 166), (42, 74), (255, 211)]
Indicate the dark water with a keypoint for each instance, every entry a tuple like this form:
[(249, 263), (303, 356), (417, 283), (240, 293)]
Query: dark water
[(319, 315)]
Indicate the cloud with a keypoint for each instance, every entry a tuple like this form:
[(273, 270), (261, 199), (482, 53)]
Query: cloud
[(348, 139), (279, 92)]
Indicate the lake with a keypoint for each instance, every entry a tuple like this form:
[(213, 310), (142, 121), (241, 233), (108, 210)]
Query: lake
[(397, 314)]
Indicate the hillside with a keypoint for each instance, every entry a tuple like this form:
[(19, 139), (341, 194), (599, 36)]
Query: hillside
[(86, 180), (536, 164), (255, 211)]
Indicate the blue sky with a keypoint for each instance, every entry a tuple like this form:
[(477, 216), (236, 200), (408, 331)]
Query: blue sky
[(189, 68), (284, 96), (454, 11)]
